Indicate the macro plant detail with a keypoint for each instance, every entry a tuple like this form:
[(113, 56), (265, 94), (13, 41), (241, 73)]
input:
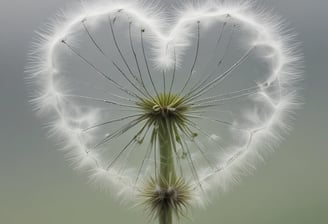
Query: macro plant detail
[(163, 110)]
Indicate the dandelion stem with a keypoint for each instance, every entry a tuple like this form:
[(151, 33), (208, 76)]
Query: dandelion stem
[(167, 169)]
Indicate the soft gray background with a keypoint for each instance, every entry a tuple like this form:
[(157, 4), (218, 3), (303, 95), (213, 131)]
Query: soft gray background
[(37, 185)]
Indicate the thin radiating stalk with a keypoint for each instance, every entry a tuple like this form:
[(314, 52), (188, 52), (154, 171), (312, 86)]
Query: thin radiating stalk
[(123, 58), (195, 59), (174, 71), (116, 84), (92, 39), (221, 77), (204, 80), (137, 61), (119, 50), (146, 61)]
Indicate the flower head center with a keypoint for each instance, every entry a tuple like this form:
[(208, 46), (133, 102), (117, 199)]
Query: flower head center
[(164, 106)]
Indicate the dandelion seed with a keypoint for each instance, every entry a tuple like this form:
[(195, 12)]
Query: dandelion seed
[(166, 113)]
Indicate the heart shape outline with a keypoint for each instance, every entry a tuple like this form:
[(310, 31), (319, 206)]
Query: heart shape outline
[(41, 70)]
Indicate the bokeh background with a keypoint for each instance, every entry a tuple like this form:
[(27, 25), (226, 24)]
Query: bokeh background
[(37, 186)]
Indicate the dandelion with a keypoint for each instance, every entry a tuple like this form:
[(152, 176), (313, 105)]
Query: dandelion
[(162, 110)]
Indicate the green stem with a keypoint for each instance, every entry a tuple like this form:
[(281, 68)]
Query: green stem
[(167, 169), (166, 217)]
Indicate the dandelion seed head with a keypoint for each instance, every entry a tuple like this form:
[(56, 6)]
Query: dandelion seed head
[(172, 194), (220, 78)]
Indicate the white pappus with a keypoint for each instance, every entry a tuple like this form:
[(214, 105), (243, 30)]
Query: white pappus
[(220, 77)]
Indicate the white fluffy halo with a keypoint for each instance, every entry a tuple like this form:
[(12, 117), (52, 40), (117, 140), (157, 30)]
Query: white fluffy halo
[(231, 127)]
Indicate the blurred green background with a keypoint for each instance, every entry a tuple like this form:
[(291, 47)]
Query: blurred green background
[(37, 186)]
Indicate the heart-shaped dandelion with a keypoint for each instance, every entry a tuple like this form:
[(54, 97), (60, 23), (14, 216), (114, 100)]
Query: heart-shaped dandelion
[(164, 111)]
